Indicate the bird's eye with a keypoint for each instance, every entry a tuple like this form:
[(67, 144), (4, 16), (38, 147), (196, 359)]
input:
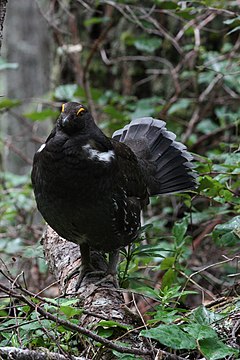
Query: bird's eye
[(81, 111)]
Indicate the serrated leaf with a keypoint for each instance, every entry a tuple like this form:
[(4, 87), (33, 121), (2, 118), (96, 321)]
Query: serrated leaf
[(172, 336)]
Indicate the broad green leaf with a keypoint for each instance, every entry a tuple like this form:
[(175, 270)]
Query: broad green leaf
[(165, 315), (170, 5), (200, 332), (167, 263), (41, 115), (121, 356), (172, 336), (6, 103), (145, 107), (205, 317), (68, 302), (228, 233), (105, 332), (179, 230), (148, 44), (214, 349), (179, 106), (168, 278), (65, 92), (113, 112), (70, 311)]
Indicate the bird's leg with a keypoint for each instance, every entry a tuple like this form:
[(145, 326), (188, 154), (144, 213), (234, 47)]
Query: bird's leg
[(113, 262), (84, 268), (110, 275), (86, 265)]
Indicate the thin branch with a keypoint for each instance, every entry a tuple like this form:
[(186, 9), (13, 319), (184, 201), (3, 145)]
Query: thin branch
[(79, 329), (12, 353)]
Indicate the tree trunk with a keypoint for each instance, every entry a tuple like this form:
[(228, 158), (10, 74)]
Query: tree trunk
[(27, 44), (3, 5), (100, 302)]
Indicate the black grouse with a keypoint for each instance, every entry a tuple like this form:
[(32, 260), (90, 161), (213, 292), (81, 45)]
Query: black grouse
[(90, 188)]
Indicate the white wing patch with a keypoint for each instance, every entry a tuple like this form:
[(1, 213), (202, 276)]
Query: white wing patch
[(41, 148), (106, 156)]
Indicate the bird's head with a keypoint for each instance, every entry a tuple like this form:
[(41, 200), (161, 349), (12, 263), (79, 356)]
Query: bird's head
[(74, 118)]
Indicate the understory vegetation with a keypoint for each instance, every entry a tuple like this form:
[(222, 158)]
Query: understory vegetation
[(173, 60)]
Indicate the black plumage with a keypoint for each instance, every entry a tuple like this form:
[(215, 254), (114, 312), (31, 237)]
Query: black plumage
[(90, 188)]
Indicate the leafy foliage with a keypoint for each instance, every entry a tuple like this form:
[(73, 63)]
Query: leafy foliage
[(172, 60)]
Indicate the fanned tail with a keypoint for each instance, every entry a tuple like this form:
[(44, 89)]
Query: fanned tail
[(165, 162)]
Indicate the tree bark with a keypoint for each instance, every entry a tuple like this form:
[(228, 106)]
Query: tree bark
[(3, 7), (100, 302)]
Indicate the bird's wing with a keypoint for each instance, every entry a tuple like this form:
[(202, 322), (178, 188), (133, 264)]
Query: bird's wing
[(129, 174)]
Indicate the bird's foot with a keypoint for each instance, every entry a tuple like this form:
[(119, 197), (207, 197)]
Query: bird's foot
[(83, 270), (108, 278)]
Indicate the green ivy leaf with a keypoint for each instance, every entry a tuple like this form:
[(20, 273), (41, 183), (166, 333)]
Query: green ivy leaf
[(70, 311), (172, 336), (205, 317), (179, 106), (214, 349), (200, 332), (227, 233)]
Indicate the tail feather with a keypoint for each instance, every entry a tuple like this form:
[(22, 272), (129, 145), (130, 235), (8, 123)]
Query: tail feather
[(165, 162)]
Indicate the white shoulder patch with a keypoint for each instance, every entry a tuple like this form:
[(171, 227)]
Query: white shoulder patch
[(41, 148), (106, 156)]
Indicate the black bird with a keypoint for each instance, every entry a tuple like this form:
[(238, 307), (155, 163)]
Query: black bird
[(90, 188)]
